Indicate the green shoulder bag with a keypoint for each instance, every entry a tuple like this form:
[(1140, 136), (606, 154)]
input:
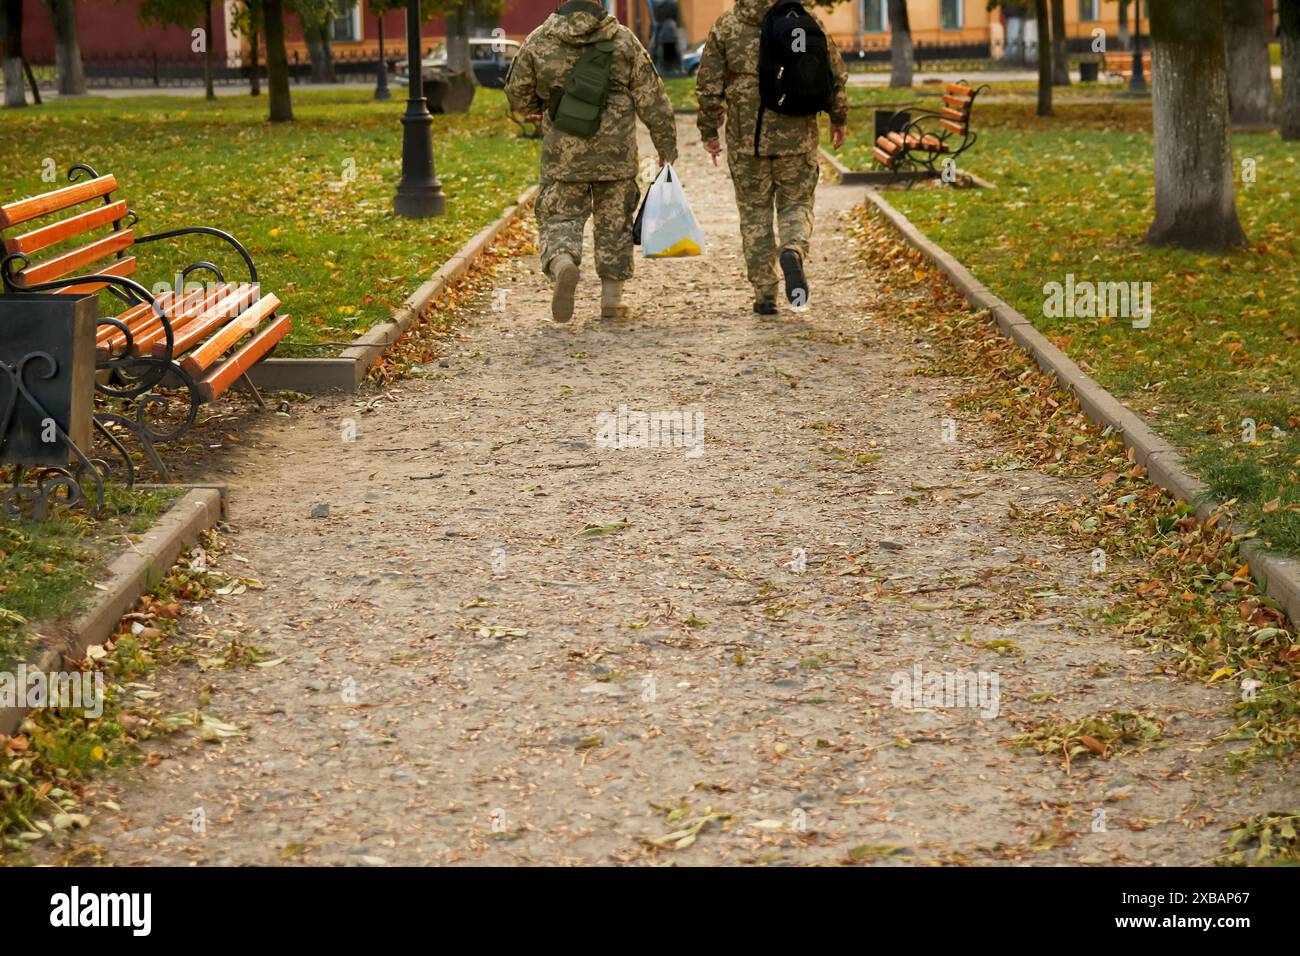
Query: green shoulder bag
[(577, 108)]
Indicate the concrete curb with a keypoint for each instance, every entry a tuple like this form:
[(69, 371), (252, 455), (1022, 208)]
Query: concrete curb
[(878, 177), (133, 573), (1278, 575), (348, 370)]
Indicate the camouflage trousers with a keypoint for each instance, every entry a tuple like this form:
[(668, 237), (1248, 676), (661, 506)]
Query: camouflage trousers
[(562, 212), (763, 182)]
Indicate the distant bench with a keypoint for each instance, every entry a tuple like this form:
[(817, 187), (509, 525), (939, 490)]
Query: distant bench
[(1121, 64), (933, 136)]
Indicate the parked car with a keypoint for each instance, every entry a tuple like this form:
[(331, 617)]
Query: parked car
[(691, 59), (490, 59)]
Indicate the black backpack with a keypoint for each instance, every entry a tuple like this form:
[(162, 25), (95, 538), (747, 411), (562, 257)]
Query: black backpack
[(794, 65)]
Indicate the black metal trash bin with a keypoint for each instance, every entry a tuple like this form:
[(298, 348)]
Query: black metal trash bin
[(47, 377), (1088, 71)]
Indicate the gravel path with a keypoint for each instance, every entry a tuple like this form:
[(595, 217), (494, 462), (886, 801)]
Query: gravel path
[(469, 679)]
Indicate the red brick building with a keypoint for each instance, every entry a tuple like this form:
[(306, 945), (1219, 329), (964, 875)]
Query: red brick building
[(111, 30)]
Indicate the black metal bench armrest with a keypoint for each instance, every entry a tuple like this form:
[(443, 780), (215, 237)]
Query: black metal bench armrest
[(9, 269), (206, 231)]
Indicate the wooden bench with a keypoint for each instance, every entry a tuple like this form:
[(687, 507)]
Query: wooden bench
[(1121, 64), (933, 136), (204, 340)]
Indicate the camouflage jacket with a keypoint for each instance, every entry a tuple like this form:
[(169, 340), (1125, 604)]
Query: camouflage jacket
[(635, 90), (727, 87)]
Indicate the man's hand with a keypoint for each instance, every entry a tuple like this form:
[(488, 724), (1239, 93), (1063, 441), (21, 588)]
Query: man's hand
[(714, 148), (838, 134), (663, 161), (533, 118)]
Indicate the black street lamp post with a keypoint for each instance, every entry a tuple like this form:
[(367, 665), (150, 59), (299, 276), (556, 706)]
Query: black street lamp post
[(419, 194), (1137, 83), (381, 85)]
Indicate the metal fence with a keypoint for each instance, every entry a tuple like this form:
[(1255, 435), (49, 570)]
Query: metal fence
[(921, 52), (148, 69)]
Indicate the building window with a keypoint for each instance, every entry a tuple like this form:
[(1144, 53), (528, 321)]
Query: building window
[(875, 16), (951, 15), (1089, 11), (347, 25)]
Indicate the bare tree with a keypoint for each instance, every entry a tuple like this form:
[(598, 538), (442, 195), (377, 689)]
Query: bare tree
[(11, 29), (317, 18), (1196, 203), (900, 54), (1044, 58), (277, 62), (67, 52), (1290, 15), (1060, 56), (1246, 26), (185, 14)]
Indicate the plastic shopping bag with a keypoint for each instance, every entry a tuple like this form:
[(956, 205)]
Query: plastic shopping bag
[(668, 227)]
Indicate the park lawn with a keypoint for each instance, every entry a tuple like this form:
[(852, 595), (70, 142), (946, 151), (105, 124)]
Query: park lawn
[(47, 569), (310, 199), (1074, 194)]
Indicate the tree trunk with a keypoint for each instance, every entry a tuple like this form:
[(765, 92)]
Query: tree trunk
[(460, 22), (11, 28), (1044, 59), (1290, 14), (254, 77), (1250, 84), (277, 63), (314, 38), (1060, 56), (207, 56), (1123, 24), (900, 57), (67, 53), (1196, 205)]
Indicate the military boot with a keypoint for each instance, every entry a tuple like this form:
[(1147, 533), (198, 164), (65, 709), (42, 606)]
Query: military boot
[(611, 299), (565, 275), (796, 283)]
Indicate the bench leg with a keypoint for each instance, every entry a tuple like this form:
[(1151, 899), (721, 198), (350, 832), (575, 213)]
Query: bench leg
[(151, 453), (139, 429), (248, 385)]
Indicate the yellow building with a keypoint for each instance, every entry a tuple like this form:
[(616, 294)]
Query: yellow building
[(864, 24)]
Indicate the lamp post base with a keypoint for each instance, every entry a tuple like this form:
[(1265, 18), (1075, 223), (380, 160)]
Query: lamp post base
[(419, 203), (419, 194)]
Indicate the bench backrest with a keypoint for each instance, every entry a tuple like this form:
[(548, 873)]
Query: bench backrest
[(958, 100), (67, 243)]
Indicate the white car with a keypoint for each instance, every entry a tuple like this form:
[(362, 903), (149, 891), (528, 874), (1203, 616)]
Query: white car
[(490, 58)]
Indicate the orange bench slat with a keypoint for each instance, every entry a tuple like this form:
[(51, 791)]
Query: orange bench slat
[(215, 313), (74, 259), (202, 357), (248, 355), (121, 267), (25, 210), (47, 236)]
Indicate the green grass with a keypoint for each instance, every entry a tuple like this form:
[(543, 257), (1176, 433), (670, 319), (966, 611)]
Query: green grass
[(1075, 195), (681, 91), (326, 242), (47, 568)]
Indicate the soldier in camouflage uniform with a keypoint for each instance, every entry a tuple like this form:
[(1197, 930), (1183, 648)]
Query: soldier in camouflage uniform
[(596, 176), (781, 169)]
